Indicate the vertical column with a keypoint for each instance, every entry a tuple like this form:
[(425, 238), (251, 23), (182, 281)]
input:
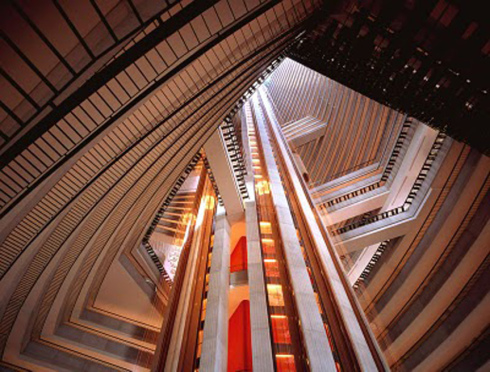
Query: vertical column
[(262, 357), (369, 356), (214, 354), (316, 343)]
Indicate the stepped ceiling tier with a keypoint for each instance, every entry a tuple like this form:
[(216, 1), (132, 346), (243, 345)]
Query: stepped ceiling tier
[(108, 107), (104, 106), (355, 131)]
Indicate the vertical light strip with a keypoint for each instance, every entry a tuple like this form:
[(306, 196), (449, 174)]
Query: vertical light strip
[(315, 339), (262, 356), (360, 344)]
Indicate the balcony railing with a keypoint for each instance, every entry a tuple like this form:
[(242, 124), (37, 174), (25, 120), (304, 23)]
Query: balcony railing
[(370, 266), (151, 252), (429, 161), (397, 149)]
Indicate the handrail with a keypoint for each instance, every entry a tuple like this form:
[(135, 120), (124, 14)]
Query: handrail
[(170, 197), (236, 156), (372, 262), (386, 173), (156, 260), (213, 180), (417, 185), (63, 60)]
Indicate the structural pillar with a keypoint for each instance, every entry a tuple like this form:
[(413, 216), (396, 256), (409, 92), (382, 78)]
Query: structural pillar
[(262, 356), (214, 354), (316, 343)]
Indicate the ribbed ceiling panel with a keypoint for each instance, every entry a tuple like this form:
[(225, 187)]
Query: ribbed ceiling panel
[(90, 184), (359, 131)]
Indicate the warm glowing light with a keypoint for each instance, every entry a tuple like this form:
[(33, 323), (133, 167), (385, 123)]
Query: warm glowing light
[(265, 227), (267, 241), (274, 293), (173, 257), (271, 266), (203, 311), (278, 316), (270, 260), (187, 218), (258, 176), (285, 362), (274, 287), (209, 202), (280, 330), (262, 187)]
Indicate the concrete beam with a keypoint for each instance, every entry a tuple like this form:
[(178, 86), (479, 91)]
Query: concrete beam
[(355, 209), (304, 130), (221, 167)]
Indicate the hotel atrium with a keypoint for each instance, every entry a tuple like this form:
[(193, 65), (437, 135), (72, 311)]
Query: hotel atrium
[(244, 185)]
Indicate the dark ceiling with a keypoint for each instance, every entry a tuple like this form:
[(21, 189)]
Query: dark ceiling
[(427, 58)]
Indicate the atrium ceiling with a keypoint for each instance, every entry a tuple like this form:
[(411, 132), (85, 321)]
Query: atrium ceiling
[(105, 106)]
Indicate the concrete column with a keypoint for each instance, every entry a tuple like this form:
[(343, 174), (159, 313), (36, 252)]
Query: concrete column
[(346, 307), (315, 338), (214, 353), (262, 356)]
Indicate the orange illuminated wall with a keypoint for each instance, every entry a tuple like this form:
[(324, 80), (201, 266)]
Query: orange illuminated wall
[(239, 339), (238, 259)]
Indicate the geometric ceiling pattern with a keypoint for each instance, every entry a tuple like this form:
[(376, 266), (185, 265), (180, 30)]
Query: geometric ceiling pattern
[(428, 59), (359, 131), (104, 104), (100, 118)]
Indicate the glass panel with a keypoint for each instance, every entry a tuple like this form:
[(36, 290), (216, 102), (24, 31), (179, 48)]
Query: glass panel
[(275, 295), (280, 329), (285, 363)]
